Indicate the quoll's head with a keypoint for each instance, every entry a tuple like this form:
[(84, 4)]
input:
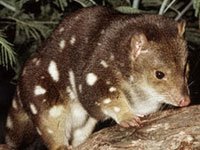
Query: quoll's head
[(159, 59)]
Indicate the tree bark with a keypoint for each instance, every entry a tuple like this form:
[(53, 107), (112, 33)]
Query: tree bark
[(176, 129)]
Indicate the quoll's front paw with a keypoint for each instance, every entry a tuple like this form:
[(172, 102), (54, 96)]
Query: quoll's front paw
[(130, 120)]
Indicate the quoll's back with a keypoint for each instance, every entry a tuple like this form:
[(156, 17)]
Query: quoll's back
[(98, 64)]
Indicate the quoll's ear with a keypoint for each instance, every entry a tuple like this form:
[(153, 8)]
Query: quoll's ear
[(138, 41), (181, 27)]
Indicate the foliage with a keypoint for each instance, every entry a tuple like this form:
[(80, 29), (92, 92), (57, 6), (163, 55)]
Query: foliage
[(26, 23), (7, 52), (196, 5)]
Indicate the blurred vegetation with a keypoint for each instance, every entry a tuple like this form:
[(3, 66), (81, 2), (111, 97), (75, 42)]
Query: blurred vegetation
[(24, 24)]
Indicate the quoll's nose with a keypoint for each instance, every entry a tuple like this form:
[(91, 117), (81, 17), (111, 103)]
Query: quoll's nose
[(184, 102)]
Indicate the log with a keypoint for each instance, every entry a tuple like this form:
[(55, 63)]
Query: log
[(176, 129)]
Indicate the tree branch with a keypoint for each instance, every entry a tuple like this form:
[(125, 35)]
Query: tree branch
[(183, 11), (173, 129), (162, 8), (8, 6)]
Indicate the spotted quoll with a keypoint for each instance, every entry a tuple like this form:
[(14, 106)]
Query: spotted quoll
[(98, 64)]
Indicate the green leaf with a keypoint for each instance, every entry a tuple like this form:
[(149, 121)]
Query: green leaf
[(32, 29), (8, 56), (196, 5), (86, 3), (61, 3), (127, 10)]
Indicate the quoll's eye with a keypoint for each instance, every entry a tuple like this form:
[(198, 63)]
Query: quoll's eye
[(159, 74)]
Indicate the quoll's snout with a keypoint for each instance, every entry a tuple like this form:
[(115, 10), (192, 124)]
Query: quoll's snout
[(185, 101)]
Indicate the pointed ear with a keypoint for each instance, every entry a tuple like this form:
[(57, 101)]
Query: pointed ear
[(181, 27), (138, 41)]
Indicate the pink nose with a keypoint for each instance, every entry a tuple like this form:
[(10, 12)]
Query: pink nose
[(184, 102)]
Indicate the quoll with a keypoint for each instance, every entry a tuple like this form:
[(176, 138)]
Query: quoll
[(98, 64)]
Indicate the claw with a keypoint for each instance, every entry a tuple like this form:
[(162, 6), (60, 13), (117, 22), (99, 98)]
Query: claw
[(133, 122)]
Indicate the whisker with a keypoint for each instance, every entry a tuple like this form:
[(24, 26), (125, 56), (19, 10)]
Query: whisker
[(190, 83)]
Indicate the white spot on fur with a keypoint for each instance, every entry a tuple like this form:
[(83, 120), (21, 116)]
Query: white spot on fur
[(24, 71), (131, 78), (102, 31), (18, 92), (20, 102), (77, 17), (72, 96), (39, 90), (112, 57), (34, 60), (9, 123), (38, 131), (108, 82), (14, 104), (49, 131), (33, 109), (61, 30), (72, 40), (56, 111), (99, 44), (104, 63), (62, 44), (73, 84), (42, 77), (91, 79), (53, 71), (44, 100), (112, 89), (37, 63), (97, 103), (80, 88), (116, 109), (107, 101)]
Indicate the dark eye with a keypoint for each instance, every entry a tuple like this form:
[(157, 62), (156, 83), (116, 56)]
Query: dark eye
[(159, 74)]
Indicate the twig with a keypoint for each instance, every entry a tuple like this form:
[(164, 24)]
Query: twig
[(183, 11), (93, 2), (8, 6), (169, 5), (199, 20), (136, 3), (162, 8)]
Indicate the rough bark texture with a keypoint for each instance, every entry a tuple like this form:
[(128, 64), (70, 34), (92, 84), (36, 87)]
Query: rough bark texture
[(177, 129)]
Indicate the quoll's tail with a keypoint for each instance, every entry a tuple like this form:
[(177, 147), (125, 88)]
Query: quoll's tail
[(19, 127)]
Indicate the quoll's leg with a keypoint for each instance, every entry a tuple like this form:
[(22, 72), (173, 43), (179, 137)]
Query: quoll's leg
[(19, 127), (82, 133), (60, 124), (54, 126), (82, 123), (117, 107)]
